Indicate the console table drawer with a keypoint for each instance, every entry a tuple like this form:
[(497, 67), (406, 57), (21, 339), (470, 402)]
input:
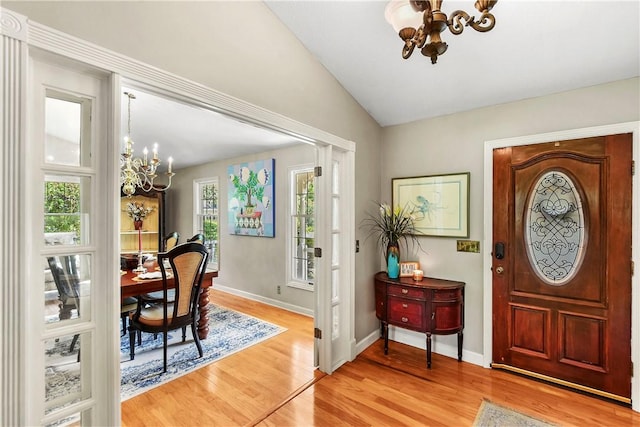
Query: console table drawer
[(406, 313), (406, 291), (447, 295)]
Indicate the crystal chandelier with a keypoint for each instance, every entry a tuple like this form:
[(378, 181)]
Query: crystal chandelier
[(138, 172), (419, 21)]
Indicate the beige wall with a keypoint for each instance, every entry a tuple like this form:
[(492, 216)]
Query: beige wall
[(455, 143), (260, 62), (256, 265)]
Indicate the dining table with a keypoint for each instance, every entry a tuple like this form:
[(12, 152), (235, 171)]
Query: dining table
[(131, 286)]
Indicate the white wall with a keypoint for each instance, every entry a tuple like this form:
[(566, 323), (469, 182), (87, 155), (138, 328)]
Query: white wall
[(455, 143), (239, 48), (253, 265)]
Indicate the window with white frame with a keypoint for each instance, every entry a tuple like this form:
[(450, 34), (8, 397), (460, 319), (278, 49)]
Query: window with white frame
[(205, 210), (301, 227)]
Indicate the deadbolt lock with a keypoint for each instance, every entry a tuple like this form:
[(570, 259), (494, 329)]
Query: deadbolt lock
[(500, 270)]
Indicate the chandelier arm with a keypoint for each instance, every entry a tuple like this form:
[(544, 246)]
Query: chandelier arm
[(455, 21), (408, 48), (486, 22)]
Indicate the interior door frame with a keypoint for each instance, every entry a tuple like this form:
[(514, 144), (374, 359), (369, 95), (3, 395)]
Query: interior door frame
[(22, 35), (489, 146)]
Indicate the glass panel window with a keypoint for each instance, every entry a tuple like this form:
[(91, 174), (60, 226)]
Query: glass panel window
[(302, 226), (555, 228), (206, 216), (65, 213), (65, 383), (67, 288), (67, 136)]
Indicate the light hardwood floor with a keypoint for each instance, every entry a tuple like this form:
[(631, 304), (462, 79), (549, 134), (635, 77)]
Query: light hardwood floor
[(274, 384)]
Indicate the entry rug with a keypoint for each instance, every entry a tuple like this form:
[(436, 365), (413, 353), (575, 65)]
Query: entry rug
[(493, 415), (229, 332)]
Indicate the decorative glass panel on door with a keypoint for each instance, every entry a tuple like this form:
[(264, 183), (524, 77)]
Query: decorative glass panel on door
[(67, 288), (555, 228), (65, 379), (66, 210), (67, 133)]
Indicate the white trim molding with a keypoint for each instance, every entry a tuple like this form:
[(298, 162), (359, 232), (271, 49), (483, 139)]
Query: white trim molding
[(13, 25), (489, 146), (13, 92), (22, 36)]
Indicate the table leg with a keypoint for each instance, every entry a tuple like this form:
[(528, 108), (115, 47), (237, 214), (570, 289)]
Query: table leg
[(385, 326), (203, 309), (428, 350), (460, 346)]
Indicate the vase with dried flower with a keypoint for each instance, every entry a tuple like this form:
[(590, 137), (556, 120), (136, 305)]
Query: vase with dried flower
[(390, 226)]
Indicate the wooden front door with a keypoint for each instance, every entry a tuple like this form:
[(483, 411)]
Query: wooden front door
[(562, 262)]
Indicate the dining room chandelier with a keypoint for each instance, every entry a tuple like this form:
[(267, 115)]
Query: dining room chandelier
[(420, 21), (136, 172)]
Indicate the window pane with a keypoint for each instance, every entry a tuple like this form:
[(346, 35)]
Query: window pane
[(64, 128), (64, 380), (302, 223), (207, 217), (66, 210), (67, 288)]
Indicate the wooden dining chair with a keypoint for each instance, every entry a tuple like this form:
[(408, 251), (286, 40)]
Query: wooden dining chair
[(64, 270), (198, 238), (188, 263), (170, 241)]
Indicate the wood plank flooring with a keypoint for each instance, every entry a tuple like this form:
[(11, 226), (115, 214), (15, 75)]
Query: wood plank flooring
[(274, 384)]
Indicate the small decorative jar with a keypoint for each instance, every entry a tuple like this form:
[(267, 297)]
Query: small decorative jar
[(418, 275)]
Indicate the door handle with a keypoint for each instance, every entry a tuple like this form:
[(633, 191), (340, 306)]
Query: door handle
[(499, 250)]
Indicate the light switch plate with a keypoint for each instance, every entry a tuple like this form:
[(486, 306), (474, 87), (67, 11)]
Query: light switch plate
[(468, 246)]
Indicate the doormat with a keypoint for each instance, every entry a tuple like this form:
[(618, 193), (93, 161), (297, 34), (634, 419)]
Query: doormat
[(493, 415)]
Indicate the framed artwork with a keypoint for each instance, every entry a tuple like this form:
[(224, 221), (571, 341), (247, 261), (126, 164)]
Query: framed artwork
[(251, 201), (439, 202), (406, 268)]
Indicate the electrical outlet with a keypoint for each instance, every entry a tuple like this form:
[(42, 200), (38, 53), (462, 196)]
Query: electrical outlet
[(278, 290)]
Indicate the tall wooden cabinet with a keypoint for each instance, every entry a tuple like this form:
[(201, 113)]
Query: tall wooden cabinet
[(153, 227)]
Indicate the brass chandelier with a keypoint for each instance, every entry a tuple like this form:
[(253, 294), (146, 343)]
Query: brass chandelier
[(136, 172), (419, 21)]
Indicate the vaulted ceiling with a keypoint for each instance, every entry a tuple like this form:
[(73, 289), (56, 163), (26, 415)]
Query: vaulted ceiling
[(536, 48)]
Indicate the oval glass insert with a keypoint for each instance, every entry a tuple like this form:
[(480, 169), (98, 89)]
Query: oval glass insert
[(554, 232)]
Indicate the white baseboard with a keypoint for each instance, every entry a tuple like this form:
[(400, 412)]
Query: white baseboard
[(446, 345), (286, 306)]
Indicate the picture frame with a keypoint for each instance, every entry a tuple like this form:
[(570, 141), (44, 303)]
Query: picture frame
[(440, 203), (251, 198), (407, 267)]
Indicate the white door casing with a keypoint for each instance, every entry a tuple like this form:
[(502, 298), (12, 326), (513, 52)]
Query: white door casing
[(19, 374)]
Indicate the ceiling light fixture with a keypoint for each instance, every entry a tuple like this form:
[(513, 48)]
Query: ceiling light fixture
[(139, 172), (417, 21)]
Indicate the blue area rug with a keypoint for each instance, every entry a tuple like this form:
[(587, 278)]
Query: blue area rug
[(229, 332)]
